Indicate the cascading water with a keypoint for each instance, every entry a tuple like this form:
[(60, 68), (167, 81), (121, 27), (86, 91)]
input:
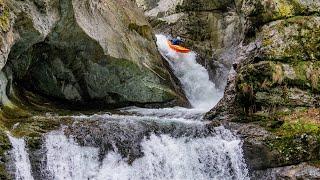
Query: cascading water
[(164, 158), (200, 91), (21, 159), (156, 144)]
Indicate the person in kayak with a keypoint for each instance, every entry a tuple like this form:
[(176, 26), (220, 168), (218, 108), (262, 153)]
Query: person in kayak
[(176, 41), (176, 44)]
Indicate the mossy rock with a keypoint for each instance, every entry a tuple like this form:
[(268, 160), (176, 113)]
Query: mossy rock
[(4, 17), (13, 112), (297, 139), (264, 11), (144, 30), (294, 149), (293, 136), (300, 34), (271, 84), (5, 146)]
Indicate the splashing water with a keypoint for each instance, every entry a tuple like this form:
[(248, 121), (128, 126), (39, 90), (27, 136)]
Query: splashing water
[(21, 159), (66, 160), (200, 91), (217, 157)]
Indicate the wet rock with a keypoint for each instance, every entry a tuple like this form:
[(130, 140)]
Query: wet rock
[(293, 39), (273, 94), (86, 54), (301, 171), (264, 11), (125, 133), (5, 147)]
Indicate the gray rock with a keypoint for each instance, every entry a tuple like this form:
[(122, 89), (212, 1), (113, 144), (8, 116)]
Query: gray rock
[(302, 171), (87, 52)]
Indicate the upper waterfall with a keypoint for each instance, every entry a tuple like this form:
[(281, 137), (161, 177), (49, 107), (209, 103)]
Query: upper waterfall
[(200, 91)]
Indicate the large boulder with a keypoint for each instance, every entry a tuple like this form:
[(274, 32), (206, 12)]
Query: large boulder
[(85, 53)]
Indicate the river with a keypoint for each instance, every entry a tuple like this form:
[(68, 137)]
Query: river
[(142, 144)]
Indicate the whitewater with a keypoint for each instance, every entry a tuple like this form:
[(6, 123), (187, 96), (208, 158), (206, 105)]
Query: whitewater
[(174, 142)]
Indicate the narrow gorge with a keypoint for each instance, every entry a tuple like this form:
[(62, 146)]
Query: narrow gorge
[(92, 90)]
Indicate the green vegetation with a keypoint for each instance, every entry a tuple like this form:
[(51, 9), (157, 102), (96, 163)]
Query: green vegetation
[(296, 134), (5, 146), (4, 17)]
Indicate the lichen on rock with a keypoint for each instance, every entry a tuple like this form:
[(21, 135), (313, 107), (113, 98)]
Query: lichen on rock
[(276, 87), (4, 17)]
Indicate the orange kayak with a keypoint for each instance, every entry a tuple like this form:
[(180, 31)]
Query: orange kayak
[(177, 48)]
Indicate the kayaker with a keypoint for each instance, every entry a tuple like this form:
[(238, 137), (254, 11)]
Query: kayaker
[(176, 41), (176, 44)]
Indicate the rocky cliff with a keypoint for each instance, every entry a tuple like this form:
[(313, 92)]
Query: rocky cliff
[(274, 94), (81, 53)]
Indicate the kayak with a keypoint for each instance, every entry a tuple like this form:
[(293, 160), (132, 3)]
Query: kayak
[(177, 48)]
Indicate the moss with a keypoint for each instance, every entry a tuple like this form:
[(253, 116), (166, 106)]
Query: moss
[(13, 112), (144, 30), (5, 146), (307, 75), (263, 12), (4, 17), (301, 35), (297, 139), (294, 149), (35, 127), (256, 75), (298, 127), (285, 9), (296, 134)]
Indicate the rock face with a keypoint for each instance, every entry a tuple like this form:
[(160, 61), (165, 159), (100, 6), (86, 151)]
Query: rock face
[(302, 171), (274, 93), (213, 29), (84, 53)]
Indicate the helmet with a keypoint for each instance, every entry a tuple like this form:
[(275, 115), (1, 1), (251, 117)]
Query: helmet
[(179, 38)]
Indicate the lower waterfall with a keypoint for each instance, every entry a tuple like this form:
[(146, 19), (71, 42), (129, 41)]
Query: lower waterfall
[(165, 157), (21, 159)]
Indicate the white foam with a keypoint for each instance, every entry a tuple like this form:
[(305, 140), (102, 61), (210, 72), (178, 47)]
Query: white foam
[(134, 118), (218, 157), (21, 159), (200, 91), (66, 160), (175, 112)]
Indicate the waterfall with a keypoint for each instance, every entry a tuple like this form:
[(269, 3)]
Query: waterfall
[(141, 144), (200, 91), (66, 160), (21, 159), (165, 157)]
